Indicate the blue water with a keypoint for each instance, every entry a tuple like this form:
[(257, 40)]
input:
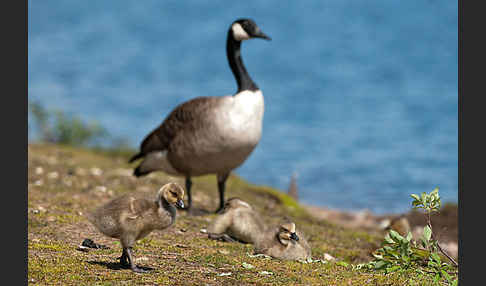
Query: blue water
[(360, 96)]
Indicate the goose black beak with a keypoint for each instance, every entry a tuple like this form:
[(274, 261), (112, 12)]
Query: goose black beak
[(180, 204), (262, 35), (294, 236)]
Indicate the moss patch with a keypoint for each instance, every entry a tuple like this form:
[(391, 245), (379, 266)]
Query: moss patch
[(64, 183)]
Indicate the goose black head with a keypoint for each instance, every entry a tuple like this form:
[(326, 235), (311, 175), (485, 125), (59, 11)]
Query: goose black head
[(245, 29)]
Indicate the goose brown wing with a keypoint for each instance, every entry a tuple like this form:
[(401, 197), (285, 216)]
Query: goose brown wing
[(185, 116)]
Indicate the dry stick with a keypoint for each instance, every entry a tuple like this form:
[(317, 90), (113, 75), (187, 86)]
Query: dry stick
[(438, 245)]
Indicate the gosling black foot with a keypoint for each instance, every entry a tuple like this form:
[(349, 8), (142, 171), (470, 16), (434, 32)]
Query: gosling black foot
[(222, 237), (137, 269)]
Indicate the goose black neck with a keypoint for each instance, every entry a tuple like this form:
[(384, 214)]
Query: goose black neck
[(242, 77)]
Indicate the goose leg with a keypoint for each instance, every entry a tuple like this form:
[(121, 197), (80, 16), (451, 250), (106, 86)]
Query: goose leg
[(221, 186), (188, 189), (124, 259), (134, 267)]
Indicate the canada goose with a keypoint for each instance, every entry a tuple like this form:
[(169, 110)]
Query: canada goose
[(129, 218), (238, 221), (210, 134), (284, 242)]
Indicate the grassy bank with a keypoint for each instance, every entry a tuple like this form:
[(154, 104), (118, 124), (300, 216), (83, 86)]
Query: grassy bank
[(65, 182)]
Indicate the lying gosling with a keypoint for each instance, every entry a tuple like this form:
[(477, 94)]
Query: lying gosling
[(129, 218), (284, 242), (237, 222)]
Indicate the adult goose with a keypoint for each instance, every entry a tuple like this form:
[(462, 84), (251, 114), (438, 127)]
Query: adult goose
[(211, 134)]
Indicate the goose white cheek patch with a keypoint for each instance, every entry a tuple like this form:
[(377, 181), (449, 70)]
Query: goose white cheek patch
[(239, 33)]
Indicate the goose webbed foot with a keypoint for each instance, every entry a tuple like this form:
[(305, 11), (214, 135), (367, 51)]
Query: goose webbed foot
[(223, 237), (128, 253)]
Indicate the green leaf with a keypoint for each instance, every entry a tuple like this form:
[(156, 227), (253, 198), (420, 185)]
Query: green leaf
[(247, 265), (377, 256), (380, 264), (395, 235), (409, 236), (427, 233), (392, 269), (446, 275), (416, 197), (388, 239), (435, 257), (435, 192), (342, 263)]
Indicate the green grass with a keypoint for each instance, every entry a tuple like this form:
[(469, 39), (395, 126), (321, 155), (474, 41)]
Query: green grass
[(180, 255)]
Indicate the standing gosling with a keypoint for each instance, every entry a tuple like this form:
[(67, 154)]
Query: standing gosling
[(284, 243), (238, 221), (129, 218)]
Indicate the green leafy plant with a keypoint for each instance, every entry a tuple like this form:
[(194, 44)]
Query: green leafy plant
[(58, 127), (400, 253)]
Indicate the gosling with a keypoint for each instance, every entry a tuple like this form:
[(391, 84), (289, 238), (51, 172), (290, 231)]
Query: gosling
[(237, 222), (284, 242), (129, 218)]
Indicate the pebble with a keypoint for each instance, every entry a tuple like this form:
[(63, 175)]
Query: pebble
[(95, 171), (39, 170), (82, 248), (53, 175), (328, 257), (101, 189), (140, 259)]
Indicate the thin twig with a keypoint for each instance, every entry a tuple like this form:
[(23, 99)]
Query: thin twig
[(438, 245)]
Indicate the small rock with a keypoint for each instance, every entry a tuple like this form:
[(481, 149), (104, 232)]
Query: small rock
[(41, 209), (101, 189), (203, 230), (141, 259), (223, 251), (328, 257), (265, 273), (96, 171), (53, 175), (82, 248), (224, 274), (39, 170)]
